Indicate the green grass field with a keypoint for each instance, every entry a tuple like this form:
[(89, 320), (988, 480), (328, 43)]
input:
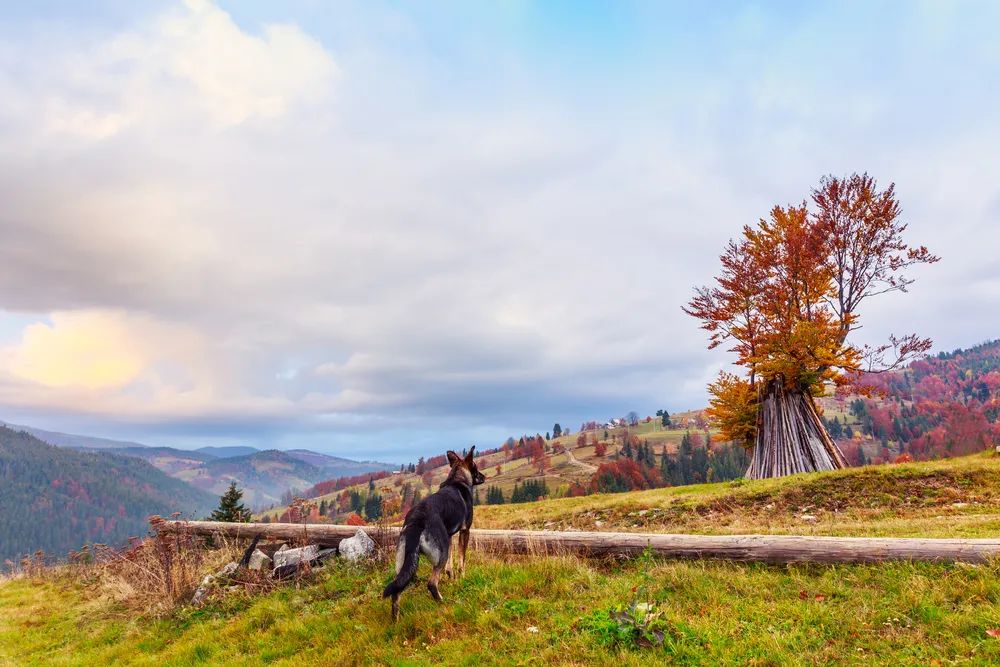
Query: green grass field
[(558, 610)]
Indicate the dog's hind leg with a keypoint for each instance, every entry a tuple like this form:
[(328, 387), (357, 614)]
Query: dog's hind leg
[(432, 583), (436, 543)]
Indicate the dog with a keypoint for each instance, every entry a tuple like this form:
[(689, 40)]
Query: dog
[(430, 525)]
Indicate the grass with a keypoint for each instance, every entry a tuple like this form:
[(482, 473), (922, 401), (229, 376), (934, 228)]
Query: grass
[(951, 498), (547, 611), (559, 610)]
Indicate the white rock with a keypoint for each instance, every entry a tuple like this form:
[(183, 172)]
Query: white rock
[(259, 560), (211, 581), (295, 556), (358, 547), (808, 517)]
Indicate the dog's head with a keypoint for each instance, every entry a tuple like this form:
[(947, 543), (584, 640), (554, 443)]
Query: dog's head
[(466, 463)]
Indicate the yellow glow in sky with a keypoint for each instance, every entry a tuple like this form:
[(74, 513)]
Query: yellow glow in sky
[(90, 350)]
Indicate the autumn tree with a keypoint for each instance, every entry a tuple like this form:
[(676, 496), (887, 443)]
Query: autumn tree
[(786, 301)]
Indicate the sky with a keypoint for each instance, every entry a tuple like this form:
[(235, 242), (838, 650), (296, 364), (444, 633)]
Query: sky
[(382, 230)]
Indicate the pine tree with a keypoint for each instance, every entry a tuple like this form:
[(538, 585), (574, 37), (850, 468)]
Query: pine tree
[(230, 507), (373, 507), (494, 496)]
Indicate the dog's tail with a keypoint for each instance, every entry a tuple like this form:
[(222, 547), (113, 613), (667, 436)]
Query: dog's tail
[(407, 555)]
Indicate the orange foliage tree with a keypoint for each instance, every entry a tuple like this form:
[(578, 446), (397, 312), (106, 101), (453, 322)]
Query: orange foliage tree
[(786, 302)]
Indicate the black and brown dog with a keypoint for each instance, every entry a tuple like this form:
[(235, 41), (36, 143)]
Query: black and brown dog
[(430, 525)]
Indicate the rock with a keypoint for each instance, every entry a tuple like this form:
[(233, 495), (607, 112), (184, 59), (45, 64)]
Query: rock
[(259, 560), (808, 517), (226, 571), (211, 581), (598, 524), (358, 547), (295, 556), (325, 554)]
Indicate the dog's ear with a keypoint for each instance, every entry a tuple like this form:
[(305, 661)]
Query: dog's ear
[(453, 458), (472, 451)]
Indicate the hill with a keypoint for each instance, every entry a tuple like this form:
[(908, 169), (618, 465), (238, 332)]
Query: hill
[(533, 466), (72, 440), (264, 476), (943, 406), (560, 610), (227, 452), (335, 466), (57, 499)]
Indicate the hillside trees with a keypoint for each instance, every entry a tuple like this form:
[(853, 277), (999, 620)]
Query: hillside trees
[(494, 496), (786, 300)]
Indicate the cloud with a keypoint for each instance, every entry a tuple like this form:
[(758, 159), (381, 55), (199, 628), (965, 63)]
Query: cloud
[(199, 53), (77, 349), (190, 67), (364, 229)]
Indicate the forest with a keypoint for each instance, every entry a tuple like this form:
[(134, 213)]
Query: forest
[(941, 406), (55, 500)]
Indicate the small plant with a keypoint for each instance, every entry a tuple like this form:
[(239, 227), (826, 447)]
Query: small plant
[(638, 624)]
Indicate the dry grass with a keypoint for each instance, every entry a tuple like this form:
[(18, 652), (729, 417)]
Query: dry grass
[(956, 497)]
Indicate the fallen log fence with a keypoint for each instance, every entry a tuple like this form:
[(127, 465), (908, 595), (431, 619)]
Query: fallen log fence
[(760, 548)]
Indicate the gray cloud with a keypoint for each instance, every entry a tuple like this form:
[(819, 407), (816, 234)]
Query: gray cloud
[(365, 258)]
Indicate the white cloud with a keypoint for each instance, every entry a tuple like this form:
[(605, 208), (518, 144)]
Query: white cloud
[(190, 69), (254, 234)]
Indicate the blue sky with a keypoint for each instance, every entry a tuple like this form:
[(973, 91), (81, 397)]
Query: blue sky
[(386, 229)]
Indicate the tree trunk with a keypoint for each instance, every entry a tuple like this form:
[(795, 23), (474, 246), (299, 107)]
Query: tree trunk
[(791, 437), (766, 548)]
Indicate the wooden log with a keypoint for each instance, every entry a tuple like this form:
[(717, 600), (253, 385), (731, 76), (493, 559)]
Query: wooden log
[(763, 548)]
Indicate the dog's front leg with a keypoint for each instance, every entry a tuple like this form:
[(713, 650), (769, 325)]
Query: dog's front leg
[(449, 569), (463, 544)]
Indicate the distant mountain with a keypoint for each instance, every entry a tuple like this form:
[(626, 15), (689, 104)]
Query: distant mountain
[(227, 452), (263, 476), (71, 440), (168, 459), (56, 499), (335, 466)]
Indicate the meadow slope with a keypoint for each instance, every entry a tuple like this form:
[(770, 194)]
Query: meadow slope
[(558, 610)]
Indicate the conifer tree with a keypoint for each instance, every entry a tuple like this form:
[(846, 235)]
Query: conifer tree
[(373, 506), (230, 508)]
